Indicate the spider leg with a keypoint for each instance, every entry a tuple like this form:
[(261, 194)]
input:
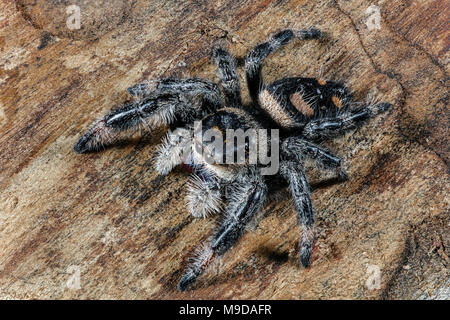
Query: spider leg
[(254, 58), (298, 185), (229, 80), (173, 101), (247, 199), (157, 87), (143, 89), (330, 127), (298, 148), (174, 150)]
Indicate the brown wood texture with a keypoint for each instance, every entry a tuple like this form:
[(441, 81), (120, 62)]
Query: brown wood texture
[(126, 227)]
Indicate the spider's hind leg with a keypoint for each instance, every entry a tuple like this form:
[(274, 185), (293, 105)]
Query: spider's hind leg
[(255, 58), (333, 126), (293, 173), (297, 148)]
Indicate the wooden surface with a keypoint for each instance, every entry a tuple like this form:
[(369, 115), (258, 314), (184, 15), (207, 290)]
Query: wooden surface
[(126, 228)]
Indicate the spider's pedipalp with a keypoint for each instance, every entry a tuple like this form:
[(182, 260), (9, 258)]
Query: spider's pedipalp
[(174, 150), (203, 197), (242, 208), (293, 173), (229, 80)]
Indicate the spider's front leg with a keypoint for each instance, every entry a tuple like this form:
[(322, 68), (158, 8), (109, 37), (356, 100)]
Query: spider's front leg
[(293, 173), (170, 101), (247, 199)]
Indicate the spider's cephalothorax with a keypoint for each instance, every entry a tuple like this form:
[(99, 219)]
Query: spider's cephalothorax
[(305, 111)]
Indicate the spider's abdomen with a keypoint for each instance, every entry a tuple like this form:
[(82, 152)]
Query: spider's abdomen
[(293, 102)]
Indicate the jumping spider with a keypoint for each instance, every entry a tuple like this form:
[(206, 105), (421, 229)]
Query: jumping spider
[(305, 110)]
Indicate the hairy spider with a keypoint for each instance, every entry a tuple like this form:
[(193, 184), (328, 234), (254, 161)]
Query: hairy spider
[(304, 110)]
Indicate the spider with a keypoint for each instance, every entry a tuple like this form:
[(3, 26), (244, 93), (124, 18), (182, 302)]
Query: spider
[(306, 111)]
